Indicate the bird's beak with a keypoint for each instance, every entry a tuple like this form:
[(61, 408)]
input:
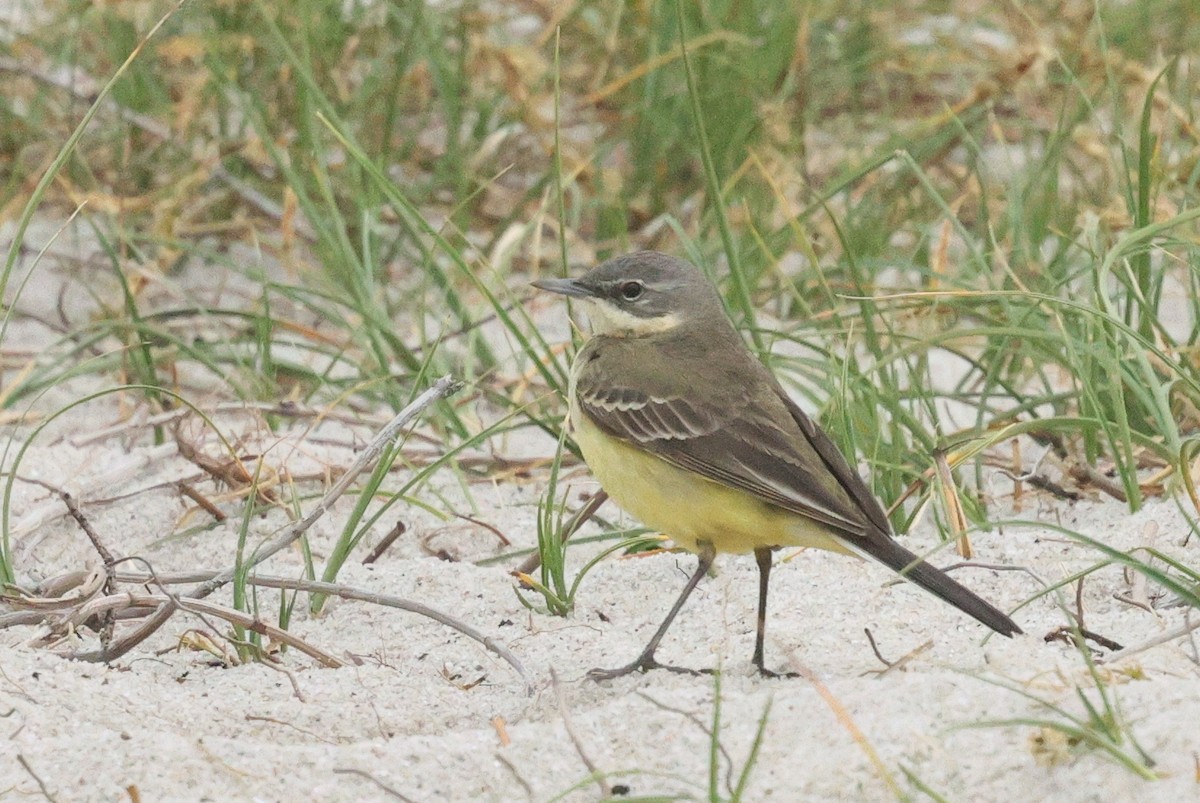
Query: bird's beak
[(565, 287)]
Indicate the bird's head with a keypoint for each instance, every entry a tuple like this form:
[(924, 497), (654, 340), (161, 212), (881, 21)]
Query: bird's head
[(639, 294)]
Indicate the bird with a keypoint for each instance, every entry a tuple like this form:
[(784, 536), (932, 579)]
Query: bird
[(686, 430)]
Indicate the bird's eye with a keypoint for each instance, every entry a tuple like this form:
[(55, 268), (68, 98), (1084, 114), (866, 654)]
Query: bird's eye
[(631, 291)]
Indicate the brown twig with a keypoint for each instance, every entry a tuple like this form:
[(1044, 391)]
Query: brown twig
[(690, 717), (1129, 600), (166, 603), (51, 595), (1017, 463), (1079, 602), (897, 664), (1085, 473), (489, 527), (201, 500), (41, 785), (996, 567), (508, 765), (1041, 482), (388, 601), (366, 459), (1044, 483), (107, 622), (368, 776), (202, 607), (875, 649), (903, 660), (86, 526), (290, 675), (1072, 634), (31, 528), (281, 409), (297, 728), (343, 592), (232, 473), (385, 542)]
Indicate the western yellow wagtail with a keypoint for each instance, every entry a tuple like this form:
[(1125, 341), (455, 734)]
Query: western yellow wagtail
[(690, 433)]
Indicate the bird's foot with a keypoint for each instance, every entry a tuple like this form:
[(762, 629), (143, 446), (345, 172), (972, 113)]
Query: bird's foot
[(644, 663), (761, 665), (773, 675)]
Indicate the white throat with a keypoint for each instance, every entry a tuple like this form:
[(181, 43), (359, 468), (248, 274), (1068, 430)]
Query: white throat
[(609, 320)]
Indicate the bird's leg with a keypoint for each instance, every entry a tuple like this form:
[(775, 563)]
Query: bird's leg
[(646, 661), (763, 556)]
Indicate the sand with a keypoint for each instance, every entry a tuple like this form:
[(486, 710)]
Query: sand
[(422, 713), (434, 716)]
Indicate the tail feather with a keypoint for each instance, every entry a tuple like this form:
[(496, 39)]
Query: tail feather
[(885, 550)]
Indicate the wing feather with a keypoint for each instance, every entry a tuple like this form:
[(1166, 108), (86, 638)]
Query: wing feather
[(742, 446)]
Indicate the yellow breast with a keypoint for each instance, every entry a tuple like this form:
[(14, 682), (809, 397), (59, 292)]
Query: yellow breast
[(686, 506)]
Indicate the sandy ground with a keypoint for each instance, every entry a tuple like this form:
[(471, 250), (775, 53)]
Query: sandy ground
[(433, 716), (177, 726), (430, 715)]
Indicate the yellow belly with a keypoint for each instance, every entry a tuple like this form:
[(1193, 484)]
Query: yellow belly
[(688, 507)]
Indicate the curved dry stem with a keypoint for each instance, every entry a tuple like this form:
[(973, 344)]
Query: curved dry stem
[(116, 602), (387, 600), (345, 592)]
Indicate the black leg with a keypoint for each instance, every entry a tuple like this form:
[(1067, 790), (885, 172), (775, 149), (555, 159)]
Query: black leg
[(646, 660), (763, 555)]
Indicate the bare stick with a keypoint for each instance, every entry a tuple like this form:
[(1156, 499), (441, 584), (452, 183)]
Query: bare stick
[(21, 618), (1080, 635), (389, 539), (875, 649), (508, 765), (290, 675), (41, 785), (81, 586), (201, 500), (86, 526), (695, 720), (107, 621), (168, 603), (386, 600), (900, 662), (1162, 638), (204, 607), (347, 592), (31, 528), (1083, 472), (131, 639), (490, 527), (368, 776)]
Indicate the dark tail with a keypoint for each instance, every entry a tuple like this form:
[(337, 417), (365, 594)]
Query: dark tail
[(885, 550)]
